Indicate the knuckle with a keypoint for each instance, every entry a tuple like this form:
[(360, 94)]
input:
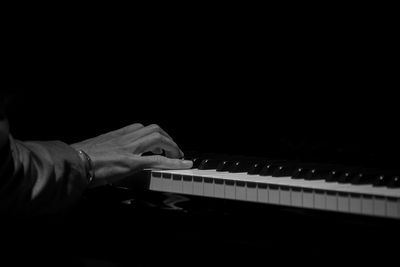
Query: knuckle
[(155, 127), (138, 125), (131, 128), (157, 136)]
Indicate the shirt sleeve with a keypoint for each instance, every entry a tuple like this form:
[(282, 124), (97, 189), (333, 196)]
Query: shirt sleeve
[(38, 178)]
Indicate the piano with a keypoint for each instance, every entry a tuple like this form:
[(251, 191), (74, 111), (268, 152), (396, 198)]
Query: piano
[(294, 184), (258, 194), (271, 182), (237, 210)]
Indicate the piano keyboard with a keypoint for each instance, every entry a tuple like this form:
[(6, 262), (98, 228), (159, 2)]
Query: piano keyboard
[(286, 190)]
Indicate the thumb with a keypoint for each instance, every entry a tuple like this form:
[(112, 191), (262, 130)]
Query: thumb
[(161, 162)]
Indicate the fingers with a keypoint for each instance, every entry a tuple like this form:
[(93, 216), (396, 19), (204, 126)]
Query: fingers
[(141, 132), (128, 129), (156, 142), (161, 162), (152, 138)]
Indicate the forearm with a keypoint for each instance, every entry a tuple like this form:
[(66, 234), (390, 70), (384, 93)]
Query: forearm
[(40, 177)]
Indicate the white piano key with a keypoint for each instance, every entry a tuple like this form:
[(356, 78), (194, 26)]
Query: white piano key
[(219, 188), (379, 206), (331, 200), (230, 189), (367, 206), (208, 187), (343, 203), (187, 184), (355, 203), (176, 183), (155, 181), (308, 198), (288, 181), (251, 191), (262, 193), (267, 193), (322, 185), (240, 188), (284, 195), (273, 194), (319, 199), (166, 182), (393, 208), (197, 185), (296, 197)]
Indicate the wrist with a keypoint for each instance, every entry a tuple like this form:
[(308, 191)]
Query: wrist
[(88, 163)]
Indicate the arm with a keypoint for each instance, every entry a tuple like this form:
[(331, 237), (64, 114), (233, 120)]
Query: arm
[(38, 177), (46, 177)]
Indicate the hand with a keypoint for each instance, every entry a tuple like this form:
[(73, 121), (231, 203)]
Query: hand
[(118, 154)]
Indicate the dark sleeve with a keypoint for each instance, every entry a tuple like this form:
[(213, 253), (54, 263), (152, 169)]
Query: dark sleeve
[(38, 177)]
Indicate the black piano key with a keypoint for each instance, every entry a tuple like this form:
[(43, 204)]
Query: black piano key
[(196, 162), (255, 168), (268, 169), (299, 173), (381, 180), (283, 170), (310, 174), (237, 166), (394, 182), (364, 178), (317, 171), (242, 165), (310, 171), (224, 165), (274, 167), (331, 172), (346, 177), (209, 164), (320, 172), (333, 175), (315, 174), (353, 178), (198, 158)]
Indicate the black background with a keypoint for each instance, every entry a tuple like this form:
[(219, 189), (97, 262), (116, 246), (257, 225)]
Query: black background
[(323, 87)]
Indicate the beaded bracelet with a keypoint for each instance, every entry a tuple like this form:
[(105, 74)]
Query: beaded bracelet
[(88, 165)]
